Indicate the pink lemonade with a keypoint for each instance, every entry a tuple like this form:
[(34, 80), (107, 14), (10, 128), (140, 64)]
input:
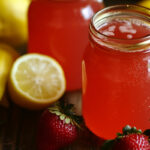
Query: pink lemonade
[(116, 74), (59, 28)]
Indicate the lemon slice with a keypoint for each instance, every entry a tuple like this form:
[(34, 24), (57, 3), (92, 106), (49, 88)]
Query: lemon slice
[(36, 81)]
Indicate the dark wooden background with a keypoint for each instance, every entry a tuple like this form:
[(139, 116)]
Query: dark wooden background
[(18, 126)]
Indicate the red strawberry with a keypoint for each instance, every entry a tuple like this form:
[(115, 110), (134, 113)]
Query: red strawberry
[(57, 127), (132, 142), (131, 139)]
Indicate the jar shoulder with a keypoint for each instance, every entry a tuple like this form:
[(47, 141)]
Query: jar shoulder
[(67, 4)]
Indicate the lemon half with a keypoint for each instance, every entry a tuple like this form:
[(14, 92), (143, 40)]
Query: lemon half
[(36, 81)]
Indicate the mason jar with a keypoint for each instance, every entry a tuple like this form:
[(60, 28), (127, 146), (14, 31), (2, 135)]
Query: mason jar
[(59, 28), (116, 71)]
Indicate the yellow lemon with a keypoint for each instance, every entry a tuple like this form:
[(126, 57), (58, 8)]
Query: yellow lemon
[(7, 57), (145, 3), (36, 81), (13, 21)]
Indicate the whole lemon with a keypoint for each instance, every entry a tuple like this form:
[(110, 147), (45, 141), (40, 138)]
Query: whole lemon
[(145, 3), (13, 21)]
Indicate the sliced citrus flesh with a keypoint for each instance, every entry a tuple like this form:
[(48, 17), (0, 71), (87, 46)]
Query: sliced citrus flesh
[(36, 81)]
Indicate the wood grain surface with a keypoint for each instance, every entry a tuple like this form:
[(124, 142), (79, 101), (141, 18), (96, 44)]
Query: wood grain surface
[(18, 127)]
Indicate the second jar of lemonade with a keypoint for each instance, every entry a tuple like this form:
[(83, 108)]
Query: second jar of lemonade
[(59, 28)]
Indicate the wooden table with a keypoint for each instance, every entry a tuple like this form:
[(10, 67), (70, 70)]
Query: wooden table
[(18, 127)]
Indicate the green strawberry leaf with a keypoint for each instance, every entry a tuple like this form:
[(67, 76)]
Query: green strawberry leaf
[(129, 130), (66, 111)]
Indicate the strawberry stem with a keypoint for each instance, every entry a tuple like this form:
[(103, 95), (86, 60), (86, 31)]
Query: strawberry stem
[(66, 112), (129, 130)]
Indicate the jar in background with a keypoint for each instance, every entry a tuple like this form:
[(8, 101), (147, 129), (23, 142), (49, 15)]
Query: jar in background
[(59, 28)]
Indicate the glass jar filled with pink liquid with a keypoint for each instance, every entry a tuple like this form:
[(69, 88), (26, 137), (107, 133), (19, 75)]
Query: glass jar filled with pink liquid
[(116, 71), (59, 28)]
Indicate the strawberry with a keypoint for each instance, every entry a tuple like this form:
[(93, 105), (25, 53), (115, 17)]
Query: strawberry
[(130, 139), (58, 127), (132, 142)]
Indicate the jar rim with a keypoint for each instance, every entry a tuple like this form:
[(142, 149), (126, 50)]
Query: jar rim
[(135, 43)]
